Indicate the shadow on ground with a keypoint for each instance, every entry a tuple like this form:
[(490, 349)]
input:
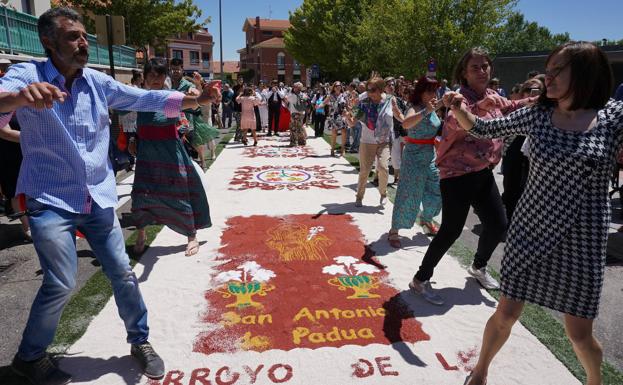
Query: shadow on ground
[(152, 254), (406, 305)]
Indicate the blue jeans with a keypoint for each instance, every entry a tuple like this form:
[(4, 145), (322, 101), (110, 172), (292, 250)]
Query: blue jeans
[(227, 115), (356, 136), (53, 233)]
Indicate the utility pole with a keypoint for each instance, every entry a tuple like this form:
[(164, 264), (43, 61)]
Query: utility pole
[(110, 41), (220, 27)]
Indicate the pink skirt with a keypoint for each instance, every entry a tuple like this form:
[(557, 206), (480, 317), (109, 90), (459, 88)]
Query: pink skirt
[(247, 121)]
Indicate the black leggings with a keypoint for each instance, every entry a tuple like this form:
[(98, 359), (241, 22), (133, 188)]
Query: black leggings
[(319, 124), (274, 109), (477, 189), (515, 167)]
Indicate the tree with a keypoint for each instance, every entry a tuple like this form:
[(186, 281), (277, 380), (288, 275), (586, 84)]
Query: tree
[(520, 35), (148, 22), (608, 42), (353, 37), (322, 32), (405, 34)]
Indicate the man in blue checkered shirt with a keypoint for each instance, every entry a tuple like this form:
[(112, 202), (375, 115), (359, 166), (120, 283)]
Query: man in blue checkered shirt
[(67, 178)]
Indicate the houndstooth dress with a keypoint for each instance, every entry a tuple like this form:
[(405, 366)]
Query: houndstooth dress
[(556, 247)]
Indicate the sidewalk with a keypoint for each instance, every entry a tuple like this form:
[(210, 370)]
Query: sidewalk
[(293, 284)]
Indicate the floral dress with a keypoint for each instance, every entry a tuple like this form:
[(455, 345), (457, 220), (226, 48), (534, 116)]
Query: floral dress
[(336, 107), (418, 189)]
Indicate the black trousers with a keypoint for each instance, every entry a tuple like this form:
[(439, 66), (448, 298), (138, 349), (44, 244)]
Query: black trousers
[(258, 119), (274, 109), (319, 124), (515, 166), (477, 189)]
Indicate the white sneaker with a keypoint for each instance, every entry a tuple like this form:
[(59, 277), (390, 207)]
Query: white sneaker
[(383, 200), (484, 278), (427, 292)]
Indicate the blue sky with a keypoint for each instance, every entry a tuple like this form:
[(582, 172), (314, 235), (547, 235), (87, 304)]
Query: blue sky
[(584, 20)]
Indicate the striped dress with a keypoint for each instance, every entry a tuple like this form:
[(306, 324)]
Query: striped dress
[(167, 188)]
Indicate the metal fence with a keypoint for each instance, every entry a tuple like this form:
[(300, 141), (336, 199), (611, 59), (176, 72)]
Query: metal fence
[(18, 34)]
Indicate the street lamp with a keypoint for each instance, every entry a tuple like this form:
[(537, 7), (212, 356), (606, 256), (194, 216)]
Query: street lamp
[(220, 27)]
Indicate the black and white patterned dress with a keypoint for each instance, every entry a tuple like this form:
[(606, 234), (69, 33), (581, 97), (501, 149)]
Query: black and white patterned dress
[(556, 248)]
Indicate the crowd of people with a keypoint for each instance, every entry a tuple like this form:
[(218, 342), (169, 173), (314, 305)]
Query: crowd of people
[(558, 136)]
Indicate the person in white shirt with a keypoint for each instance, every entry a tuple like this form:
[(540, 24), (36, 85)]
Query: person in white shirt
[(275, 96)]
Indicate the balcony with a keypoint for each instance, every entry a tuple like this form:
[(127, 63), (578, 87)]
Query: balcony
[(22, 37)]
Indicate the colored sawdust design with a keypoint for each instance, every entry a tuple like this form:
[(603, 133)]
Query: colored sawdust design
[(275, 138), (294, 177), (297, 242), (309, 290), (279, 152)]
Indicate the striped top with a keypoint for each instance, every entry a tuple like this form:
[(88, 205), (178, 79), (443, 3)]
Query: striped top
[(65, 148)]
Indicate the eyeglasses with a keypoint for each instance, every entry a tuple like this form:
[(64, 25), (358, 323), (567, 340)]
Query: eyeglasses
[(554, 72)]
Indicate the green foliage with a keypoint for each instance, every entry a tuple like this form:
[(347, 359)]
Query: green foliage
[(608, 42), (147, 21), (323, 32), (350, 38), (520, 35)]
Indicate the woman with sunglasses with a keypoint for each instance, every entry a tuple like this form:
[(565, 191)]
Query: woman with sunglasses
[(556, 250), (466, 171), (336, 103), (319, 103), (374, 110)]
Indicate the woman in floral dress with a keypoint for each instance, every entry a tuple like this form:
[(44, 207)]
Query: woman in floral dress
[(419, 183)]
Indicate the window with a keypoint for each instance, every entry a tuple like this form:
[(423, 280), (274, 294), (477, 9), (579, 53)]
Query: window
[(177, 54), (281, 61), (205, 58), (297, 65), (27, 7), (267, 33), (194, 57), (190, 36)]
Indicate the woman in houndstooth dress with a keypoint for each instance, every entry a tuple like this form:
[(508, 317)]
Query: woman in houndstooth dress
[(556, 248)]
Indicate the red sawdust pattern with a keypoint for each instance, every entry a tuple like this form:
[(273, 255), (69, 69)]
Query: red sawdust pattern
[(245, 178), (279, 152), (299, 307)]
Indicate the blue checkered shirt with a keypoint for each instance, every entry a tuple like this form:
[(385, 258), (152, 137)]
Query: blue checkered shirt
[(65, 148)]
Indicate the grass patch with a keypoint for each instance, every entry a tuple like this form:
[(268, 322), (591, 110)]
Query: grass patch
[(87, 303), (538, 321), (91, 299)]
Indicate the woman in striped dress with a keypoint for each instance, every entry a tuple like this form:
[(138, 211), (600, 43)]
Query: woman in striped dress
[(167, 187)]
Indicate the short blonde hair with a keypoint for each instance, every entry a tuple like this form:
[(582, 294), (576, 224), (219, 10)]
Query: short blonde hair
[(377, 82)]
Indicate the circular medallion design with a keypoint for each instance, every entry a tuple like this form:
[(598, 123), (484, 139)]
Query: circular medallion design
[(283, 176)]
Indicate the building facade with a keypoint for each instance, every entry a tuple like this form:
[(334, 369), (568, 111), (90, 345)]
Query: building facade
[(31, 7), (194, 48), (264, 56)]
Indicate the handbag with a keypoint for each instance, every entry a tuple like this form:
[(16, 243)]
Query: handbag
[(122, 141)]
